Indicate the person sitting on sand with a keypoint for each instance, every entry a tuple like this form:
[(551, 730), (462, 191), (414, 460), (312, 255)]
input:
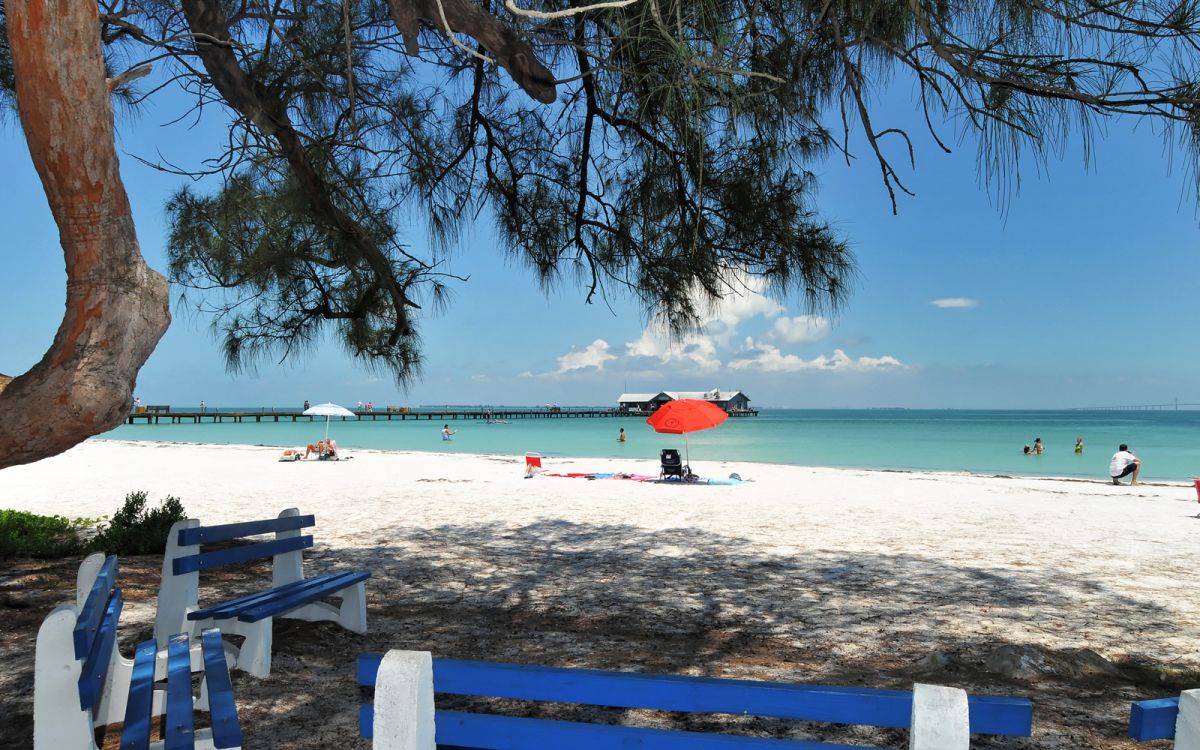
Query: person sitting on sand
[(1123, 464), (290, 454), (317, 448), (330, 450)]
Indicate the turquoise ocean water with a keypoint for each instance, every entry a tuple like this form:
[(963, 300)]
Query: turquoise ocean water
[(1168, 442)]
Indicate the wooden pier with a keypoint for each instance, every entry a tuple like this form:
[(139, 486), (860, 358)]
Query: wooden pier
[(157, 414)]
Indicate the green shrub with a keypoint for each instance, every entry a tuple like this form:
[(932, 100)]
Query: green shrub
[(24, 534), (134, 530)]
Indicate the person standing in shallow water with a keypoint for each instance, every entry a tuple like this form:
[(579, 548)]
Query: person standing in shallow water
[(446, 432), (1079, 446), (621, 436), (1038, 448)]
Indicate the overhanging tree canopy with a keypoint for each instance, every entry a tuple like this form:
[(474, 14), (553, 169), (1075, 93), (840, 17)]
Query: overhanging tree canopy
[(659, 148)]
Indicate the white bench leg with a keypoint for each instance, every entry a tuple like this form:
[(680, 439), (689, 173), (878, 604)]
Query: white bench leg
[(940, 719), (1187, 724), (352, 614), (253, 657), (58, 722), (404, 702), (313, 612)]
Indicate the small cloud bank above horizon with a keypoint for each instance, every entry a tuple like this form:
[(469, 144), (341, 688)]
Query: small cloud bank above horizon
[(711, 349), (954, 303), (768, 358)]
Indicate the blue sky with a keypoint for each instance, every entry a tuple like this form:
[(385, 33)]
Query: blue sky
[(1082, 293)]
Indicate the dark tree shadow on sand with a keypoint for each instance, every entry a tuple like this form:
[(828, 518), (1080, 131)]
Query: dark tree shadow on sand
[(682, 601)]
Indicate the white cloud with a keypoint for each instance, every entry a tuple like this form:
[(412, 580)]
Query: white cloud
[(802, 329), (481, 378), (595, 355), (958, 303), (745, 301), (592, 357), (768, 358), (698, 350)]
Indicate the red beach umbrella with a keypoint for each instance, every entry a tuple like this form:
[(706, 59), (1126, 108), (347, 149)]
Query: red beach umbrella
[(686, 415)]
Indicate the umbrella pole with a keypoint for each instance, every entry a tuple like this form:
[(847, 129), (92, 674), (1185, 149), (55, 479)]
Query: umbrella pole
[(327, 418), (687, 454)]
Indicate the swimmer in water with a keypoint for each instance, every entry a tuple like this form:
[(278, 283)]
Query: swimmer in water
[(621, 436), (1078, 446)]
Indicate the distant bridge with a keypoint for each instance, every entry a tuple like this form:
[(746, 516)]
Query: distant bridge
[(1173, 406)]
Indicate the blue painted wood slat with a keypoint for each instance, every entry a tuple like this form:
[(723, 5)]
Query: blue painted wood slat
[(234, 607), (1153, 719), (94, 606), (227, 531), (95, 667), (231, 608), (178, 729), (495, 732), (226, 731), (135, 735), (841, 705), (297, 598), (207, 560)]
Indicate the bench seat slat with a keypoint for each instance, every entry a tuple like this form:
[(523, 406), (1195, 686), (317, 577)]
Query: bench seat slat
[(232, 607), (254, 607), (1153, 719), (495, 732), (135, 735), (227, 531), (94, 607), (840, 705), (294, 599), (226, 731), (233, 555), (178, 729), (95, 667)]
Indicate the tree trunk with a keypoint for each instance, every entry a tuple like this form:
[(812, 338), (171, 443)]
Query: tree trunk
[(116, 305)]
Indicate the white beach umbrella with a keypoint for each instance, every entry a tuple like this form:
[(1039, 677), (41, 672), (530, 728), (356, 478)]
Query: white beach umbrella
[(328, 411)]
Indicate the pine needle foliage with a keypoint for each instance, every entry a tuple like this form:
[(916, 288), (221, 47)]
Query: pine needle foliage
[(663, 150)]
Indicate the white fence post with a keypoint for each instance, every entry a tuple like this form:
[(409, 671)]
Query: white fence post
[(1187, 725), (940, 719), (404, 702)]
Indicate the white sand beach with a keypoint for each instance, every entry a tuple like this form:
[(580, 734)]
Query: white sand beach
[(804, 574)]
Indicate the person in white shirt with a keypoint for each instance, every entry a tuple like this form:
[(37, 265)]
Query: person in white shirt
[(1123, 464)]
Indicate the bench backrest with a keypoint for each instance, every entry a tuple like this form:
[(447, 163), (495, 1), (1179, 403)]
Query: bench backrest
[(76, 649), (842, 705), (184, 559)]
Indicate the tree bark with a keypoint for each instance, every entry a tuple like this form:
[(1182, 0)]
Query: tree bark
[(514, 54), (117, 307)]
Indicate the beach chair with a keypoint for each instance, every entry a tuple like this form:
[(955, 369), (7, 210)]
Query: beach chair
[(672, 464), (533, 460)]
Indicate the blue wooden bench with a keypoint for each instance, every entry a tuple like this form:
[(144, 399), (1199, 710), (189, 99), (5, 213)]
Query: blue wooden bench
[(403, 716), (82, 683), (1167, 718), (289, 595)]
